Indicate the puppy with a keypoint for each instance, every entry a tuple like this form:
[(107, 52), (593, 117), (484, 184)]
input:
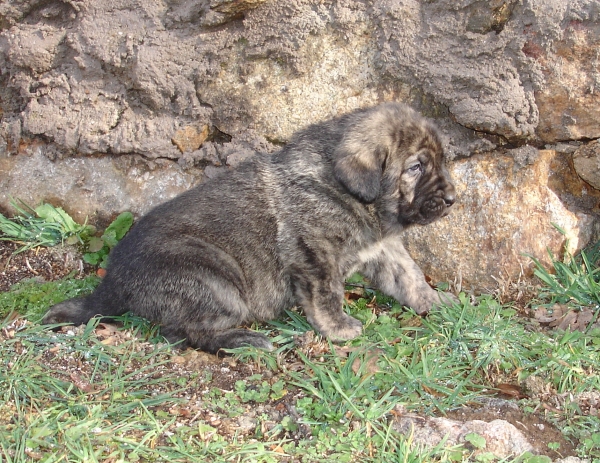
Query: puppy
[(282, 230)]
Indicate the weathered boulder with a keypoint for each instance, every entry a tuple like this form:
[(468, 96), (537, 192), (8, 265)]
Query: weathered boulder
[(586, 161), (569, 98), (93, 188), (119, 104), (506, 211), (122, 77)]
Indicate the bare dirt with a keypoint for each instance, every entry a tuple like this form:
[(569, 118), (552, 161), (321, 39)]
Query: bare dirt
[(47, 264), (56, 263), (536, 429)]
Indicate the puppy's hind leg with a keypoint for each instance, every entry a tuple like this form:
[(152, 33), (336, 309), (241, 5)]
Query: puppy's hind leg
[(231, 339), (206, 312)]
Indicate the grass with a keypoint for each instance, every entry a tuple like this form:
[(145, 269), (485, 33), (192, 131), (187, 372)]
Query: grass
[(32, 298), (54, 416), (575, 280), (80, 398), (48, 226), (45, 225), (343, 405)]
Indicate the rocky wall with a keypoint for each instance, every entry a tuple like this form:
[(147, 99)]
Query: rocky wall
[(112, 105)]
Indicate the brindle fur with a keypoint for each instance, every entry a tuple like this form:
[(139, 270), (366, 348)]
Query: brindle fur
[(282, 230)]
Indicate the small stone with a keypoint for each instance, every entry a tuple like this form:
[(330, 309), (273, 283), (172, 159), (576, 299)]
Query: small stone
[(246, 423), (190, 138), (502, 438)]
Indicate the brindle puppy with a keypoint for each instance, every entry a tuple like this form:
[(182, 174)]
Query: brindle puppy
[(282, 230)]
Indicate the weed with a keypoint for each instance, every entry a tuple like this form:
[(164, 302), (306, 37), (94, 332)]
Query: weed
[(476, 440), (575, 280), (260, 358), (45, 225), (98, 248), (140, 327)]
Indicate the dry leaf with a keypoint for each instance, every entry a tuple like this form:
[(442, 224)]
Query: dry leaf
[(280, 407), (432, 392), (373, 303), (354, 294), (110, 341), (82, 384), (106, 329), (277, 449), (511, 390), (429, 281), (566, 322), (564, 318), (369, 360), (343, 351), (180, 411), (547, 315)]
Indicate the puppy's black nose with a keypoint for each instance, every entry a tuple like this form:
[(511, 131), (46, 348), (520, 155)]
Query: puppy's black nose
[(449, 200)]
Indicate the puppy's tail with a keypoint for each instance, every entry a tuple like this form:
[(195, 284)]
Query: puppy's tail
[(77, 311)]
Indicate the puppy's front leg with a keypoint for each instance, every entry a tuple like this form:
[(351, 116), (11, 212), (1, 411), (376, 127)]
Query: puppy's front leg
[(391, 269), (322, 297)]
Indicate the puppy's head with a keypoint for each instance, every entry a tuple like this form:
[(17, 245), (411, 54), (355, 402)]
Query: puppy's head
[(391, 156)]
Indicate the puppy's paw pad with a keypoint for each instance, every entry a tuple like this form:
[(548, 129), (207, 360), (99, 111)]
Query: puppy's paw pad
[(53, 317), (69, 311)]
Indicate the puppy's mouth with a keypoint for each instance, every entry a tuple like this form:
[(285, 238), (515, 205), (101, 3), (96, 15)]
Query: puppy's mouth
[(425, 211), (437, 206), (428, 212)]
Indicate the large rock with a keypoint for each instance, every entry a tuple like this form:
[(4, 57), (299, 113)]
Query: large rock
[(94, 189), (123, 77), (507, 205), (566, 51)]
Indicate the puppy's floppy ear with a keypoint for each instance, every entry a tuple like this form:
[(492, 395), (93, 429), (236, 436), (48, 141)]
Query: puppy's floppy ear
[(358, 165)]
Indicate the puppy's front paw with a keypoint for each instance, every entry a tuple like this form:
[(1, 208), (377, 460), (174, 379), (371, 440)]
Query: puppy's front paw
[(433, 299), (447, 298), (343, 329)]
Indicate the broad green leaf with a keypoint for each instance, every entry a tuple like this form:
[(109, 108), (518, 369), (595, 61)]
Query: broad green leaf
[(110, 238), (476, 440), (95, 244), (91, 258), (121, 225), (57, 215)]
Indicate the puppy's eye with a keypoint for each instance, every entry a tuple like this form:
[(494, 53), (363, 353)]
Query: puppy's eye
[(418, 167)]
